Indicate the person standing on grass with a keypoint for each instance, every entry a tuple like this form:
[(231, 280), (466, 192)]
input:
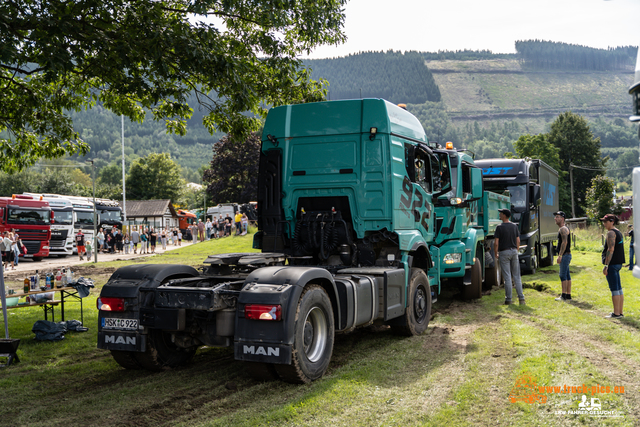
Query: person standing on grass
[(631, 249), (506, 244), (564, 255), (613, 258), (144, 238), (201, 228), (238, 223)]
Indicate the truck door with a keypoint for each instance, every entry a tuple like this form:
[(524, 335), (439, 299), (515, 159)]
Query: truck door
[(422, 205)]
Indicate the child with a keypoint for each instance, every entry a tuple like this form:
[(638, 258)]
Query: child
[(87, 248)]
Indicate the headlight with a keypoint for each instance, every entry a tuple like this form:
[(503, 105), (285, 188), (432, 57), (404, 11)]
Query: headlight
[(452, 258), (522, 250)]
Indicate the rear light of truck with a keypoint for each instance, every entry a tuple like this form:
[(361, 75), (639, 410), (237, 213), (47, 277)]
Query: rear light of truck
[(263, 312), (110, 304)]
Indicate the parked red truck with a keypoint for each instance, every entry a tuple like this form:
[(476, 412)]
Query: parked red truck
[(31, 218)]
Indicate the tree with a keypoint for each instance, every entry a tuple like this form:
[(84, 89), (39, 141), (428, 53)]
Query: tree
[(111, 175), (600, 197), (57, 57), (155, 176), (233, 176), (570, 133), (539, 147)]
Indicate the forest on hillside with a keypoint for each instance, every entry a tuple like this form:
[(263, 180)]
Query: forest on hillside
[(549, 55), (395, 76)]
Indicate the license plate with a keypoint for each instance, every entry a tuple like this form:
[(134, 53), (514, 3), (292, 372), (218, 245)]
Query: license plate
[(111, 323)]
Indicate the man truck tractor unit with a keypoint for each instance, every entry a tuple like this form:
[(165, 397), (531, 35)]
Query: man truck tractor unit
[(61, 243), (360, 219), (533, 189), (30, 217)]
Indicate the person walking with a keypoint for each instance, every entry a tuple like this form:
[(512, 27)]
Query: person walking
[(100, 238), (163, 239), (16, 249), (208, 226), (174, 236), (5, 247), (153, 236), (87, 248), (238, 223), (80, 244), (506, 244), (631, 248), (564, 255), (201, 228), (135, 239), (144, 241), (613, 258), (245, 224)]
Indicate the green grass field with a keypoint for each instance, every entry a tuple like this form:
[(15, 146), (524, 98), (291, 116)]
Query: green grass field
[(461, 372)]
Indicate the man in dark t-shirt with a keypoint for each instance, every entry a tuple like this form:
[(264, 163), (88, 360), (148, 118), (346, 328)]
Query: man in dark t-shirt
[(506, 244)]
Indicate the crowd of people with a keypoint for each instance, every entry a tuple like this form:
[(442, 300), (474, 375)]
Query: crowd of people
[(507, 242), (143, 239), (11, 247)]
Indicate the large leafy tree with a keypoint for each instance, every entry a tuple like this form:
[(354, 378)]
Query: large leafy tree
[(577, 146), (150, 55), (155, 176), (600, 197), (539, 147), (233, 176)]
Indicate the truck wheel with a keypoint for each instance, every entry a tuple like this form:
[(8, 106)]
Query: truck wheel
[(162, 353), (418, 312), (474, 290), (313, 338), (125, 359), (493, 276), (546, 255)]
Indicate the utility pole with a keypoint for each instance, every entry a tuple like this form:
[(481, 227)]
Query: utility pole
[(573, 206), (95, 215), (124, 202)]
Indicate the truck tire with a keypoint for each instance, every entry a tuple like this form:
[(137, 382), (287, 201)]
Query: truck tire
[(474, 290), (313, 338), (162, 353), (125, 359), (547, 251), (493, 276), (418, 312)]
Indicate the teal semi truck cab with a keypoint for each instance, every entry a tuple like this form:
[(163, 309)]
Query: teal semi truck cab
[(360, 221), (532, 187)]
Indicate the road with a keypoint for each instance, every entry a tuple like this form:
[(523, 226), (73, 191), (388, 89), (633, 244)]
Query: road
[(28, 266)]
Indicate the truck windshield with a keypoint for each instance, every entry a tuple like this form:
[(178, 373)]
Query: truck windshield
[(84, 219), (110, 215), (518, 195), (63, 217), (28, 216)]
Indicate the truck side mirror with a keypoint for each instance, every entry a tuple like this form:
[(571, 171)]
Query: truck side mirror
[(411, 158), (1, 215), (476, 183), (535, 195), (52, 217)]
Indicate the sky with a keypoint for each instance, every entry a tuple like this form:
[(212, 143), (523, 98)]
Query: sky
[(432, 25)]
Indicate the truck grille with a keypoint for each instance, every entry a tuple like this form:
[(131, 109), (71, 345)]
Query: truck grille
[(33, 246), (27, 234), (57, 243)]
